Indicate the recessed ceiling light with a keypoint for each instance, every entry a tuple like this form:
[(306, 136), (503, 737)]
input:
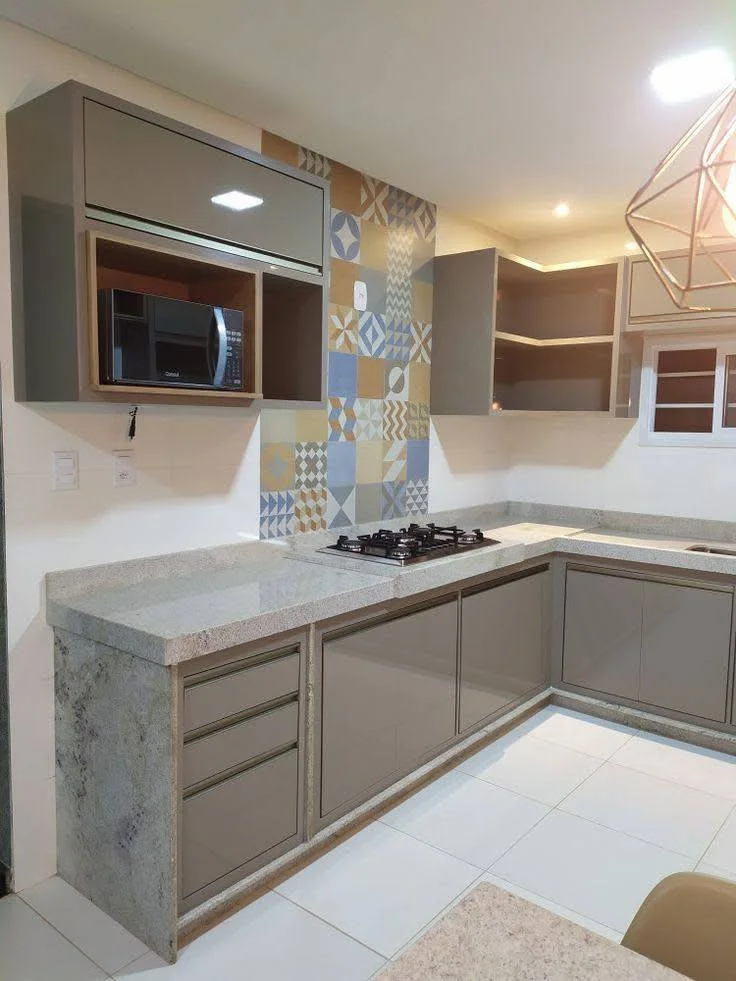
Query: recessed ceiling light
[(632, 246), (236, 200), (692, 76), (562, 210)]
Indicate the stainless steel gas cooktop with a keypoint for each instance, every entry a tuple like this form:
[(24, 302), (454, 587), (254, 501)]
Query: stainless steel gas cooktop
[(417, 543)]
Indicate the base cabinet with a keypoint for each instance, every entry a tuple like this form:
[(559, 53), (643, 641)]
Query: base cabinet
[(503, 646), (388, 701), (664, 644)]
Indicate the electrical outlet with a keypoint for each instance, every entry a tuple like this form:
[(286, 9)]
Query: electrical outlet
[(123, 468), (360, 295), (65, 470)]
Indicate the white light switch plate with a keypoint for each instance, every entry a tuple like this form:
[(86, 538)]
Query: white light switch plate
[(360, 295), (123, 468), (65, 470)]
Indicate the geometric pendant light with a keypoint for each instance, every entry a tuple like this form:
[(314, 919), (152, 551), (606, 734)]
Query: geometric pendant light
[(692, 193)]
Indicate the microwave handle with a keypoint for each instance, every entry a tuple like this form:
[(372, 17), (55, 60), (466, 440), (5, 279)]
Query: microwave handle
[(221, 347)]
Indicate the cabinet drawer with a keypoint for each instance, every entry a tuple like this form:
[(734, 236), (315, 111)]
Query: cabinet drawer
[(238, 689), (236, 820), (143, 170), (209, 755)]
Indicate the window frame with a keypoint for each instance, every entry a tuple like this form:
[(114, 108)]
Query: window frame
[(720, 435)]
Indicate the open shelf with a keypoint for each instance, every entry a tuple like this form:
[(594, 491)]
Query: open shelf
[(121, 265), (552, 341), (685, 397)]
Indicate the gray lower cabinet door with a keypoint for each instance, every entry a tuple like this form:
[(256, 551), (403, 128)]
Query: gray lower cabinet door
[(602, 645), (140, 169), (388, 701), (503, 648), (235, 821), (685, 649)]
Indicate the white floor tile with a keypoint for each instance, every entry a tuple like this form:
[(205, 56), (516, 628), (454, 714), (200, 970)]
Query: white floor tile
[(594, 737), (31, 950), (466, 817), (97, 935), (722, 851), (707, 869), (690, 766), (600, 873), (659, 811), (381, 886), (270, 940), (534, 767), (567, 914)]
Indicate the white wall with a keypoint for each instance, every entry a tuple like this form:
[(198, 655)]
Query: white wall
[(198, 468)]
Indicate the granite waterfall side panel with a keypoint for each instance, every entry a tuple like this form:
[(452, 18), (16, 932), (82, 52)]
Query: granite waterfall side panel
[(116, 764)]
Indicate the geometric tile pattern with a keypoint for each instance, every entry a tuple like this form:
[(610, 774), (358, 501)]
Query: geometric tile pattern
[(398, 341), (369, 419), (345, 236), (310, 509), (373, 200), (342, 325), (310, 465), (417, 496), (341, 418), (421, 342), (395, 418), (417, 420), (393, 504), (366, 456), (398, 274), (372, 335), (314, 163), (277, 514)]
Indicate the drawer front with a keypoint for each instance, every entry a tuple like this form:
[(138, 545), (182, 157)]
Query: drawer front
[(239, 690), (209, 755), (236, 820), (137, 168)]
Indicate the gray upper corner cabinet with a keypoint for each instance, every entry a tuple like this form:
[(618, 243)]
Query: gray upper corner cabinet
[(649, 308), (84, 166), (662, 643), (511, 335), (503, 647)]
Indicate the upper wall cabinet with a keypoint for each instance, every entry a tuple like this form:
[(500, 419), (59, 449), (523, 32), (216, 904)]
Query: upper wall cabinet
[(115, 208), (648, 306), (511, 336)]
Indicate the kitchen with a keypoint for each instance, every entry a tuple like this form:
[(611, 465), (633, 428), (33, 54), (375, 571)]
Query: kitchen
[(152, 551)]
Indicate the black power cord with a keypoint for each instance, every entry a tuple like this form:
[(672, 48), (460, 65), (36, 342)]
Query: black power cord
[(131, 428)]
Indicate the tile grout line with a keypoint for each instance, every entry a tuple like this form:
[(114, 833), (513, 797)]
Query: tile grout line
[(334, 926), (718, 831), (71, 942)]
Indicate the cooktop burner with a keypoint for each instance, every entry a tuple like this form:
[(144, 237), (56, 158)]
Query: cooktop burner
[(417, 543)]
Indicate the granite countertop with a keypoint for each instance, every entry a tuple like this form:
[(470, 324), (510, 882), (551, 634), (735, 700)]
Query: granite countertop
[(172, 608), (492, 934)]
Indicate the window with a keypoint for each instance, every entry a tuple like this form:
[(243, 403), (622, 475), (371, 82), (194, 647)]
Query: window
[(689, 392)]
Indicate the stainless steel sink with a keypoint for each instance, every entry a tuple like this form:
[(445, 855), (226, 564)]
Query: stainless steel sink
[(711, 549)]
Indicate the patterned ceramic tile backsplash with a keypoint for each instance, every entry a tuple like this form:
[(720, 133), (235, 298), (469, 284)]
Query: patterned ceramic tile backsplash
[(366, 456)]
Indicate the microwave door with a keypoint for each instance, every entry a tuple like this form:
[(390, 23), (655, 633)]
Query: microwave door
[(181, 339)]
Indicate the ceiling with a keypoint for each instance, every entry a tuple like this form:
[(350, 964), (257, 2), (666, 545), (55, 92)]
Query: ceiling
[(496, 109)]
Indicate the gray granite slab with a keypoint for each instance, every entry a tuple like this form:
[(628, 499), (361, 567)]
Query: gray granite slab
[(492, 934), (173, 620), (116, 795)]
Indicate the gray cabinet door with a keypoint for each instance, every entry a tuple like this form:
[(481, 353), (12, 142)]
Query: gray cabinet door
[(462, 333), (388, 701), (602, 645), (137, 168), (503, 648), (685, 649)]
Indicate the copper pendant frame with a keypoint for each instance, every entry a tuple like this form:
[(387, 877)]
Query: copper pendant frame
[(709, 225)]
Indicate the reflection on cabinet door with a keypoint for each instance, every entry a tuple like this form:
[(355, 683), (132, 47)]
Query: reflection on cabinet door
[(388, 701), (503, 649), (602, 647), (685, 649)]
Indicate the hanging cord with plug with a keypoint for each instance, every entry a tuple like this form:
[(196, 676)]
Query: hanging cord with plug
[(131, 428)]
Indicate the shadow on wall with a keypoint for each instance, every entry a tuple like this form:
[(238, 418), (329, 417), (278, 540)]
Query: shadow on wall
[(588, 442), (471, 444)]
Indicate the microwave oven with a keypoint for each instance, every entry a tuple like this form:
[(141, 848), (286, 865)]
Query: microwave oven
[(168, 343)]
